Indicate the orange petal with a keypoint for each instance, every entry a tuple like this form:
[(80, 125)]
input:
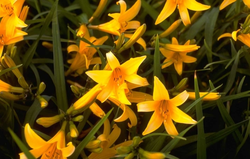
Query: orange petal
[(234, 34), (154, 123), (226, 3), (33, 140), (160, 92), (179, 116), (181, 48), (114, 135), (97, 110), (167, 10), (72, 48), (225, 35), (112, 60), (136, 79), (188, 59), (180, 98), (178, 67), (247, 3), (68, 150), (170, 127), (132, 117), (106, 92), (124, 115), (131, 12), (184, 15), (148, 106), (131, 66), (245, 38), (208, 97), (195, 6), (100, 76)]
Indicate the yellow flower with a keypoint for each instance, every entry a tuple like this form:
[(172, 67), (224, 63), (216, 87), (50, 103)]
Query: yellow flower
[(54, 148), (5, 87), (113, 81), (177, 54), (209, 97), (182, 6), (165, 110), (84, 54), (7, 40), (121, 21), (226, 3), (10, 11), (244, 38)]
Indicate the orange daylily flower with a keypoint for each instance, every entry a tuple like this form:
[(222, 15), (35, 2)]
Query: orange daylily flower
[(113, 81), (13, 38), (226, 3), (177, 54), (9, 12), (84, 54), (165, 110), (182, 6), (54, 148), (122, 22), (244, 38)]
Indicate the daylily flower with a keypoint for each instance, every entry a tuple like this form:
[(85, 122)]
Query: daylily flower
[(244, 38), (13, 38), (9, 12), (226, 3), (113, 81), (108, 139), (177, 54), (182, 6), (54, 148), (122, 22), (165, 110), (84, 54), (128, 113)]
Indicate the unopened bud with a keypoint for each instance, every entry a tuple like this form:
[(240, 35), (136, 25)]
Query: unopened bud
[(75, 90), (48, 45), (170, 29), (181, 85), (78, 118), (97, 150), (48, 121), (73, 130), (136, 141), (43, 102), (99, 10), (130, 156), (41, 88), (10, 96), (124, 150), (150, 155), (94, 144)]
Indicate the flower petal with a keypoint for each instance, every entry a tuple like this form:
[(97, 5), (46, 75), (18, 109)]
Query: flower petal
[(180, 98), (100, 76), (247, 3), (170, 127), (131, 12), (123, 6), (188, 59), (208, 97), (184, 15), (226, 3), (154, 123), (179, 116), (160, 92), (131, 66), (112, 60), (245, 38), (178, 67), (181, 48), (72, 48), (113, 135), (234, 34), (67, 151), (195, 6), (167, 10), (124, 115), (36, 152), (148, 106), (132, 117), (225, 35), (106, 92), (33, 140), (97, 110), (136, 79)]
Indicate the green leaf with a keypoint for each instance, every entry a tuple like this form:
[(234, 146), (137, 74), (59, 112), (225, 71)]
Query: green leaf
[(21, 145), (201, 142), (157, 62), (90, 135), (60, 84), (31, 51), (173, 142), (9, 69)]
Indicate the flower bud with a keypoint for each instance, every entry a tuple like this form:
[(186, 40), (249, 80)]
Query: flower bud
[(136, 141), (97, 150), (130, 156), (41, 88), (48, 121), (149, 155), (124, 150), (43, 102), (170, 29), (78, 118), (10, 96), (94, 144), (73, 130), (181, 85), (99, 10)]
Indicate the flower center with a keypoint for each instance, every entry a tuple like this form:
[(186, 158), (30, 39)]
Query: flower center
[(163, 108), (176, 57), (118, 77), (123, 26), (52, 152), (7, 8)]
